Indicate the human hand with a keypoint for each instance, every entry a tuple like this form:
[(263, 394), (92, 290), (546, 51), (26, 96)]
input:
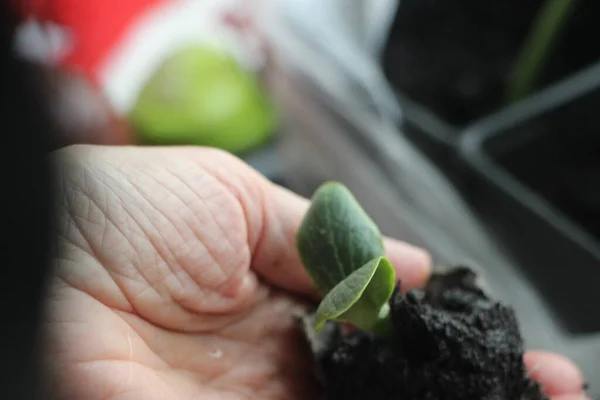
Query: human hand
[(176, 276)]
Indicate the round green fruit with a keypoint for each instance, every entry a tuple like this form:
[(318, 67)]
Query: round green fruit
[(201, 96)]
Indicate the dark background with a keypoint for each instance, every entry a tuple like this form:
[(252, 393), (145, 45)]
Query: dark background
[(25, 225)]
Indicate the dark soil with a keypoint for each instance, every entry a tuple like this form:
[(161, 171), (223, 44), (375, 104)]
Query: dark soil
[(452, 342), (558, 156), (455, 56)]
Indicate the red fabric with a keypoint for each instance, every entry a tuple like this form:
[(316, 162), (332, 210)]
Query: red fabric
[(95, 25)]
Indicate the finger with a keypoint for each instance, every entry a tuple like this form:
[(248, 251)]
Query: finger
[(277, 260), (557, 375), (274, 256)]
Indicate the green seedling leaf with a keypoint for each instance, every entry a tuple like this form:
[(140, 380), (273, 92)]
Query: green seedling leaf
[(336, 237), (361, 298)]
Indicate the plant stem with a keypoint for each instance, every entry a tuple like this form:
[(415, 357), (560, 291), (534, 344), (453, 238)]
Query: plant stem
[(383, 326), (537, 47)]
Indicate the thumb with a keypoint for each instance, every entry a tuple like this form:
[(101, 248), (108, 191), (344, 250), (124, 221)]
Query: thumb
[(275, 256)]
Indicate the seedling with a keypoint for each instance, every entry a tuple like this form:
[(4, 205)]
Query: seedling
[(342, 250), (446, 341)]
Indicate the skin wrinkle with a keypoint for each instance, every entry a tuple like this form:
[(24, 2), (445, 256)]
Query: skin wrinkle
[(66, 246), (160, 259), (73, 217), (217, 374), (66, 243), (109, 223), (165, 365), (70, 216), (107, 206), (148, 219), (236, 184), (178, 299), (63, 209), (90, 201), (246, 338), (200, 197), (131, 301), (229, 331), (169, 259), (210, 323), (226, 277), (64, 272), (244, 261), (75, 362), (125, 231), (168, 356), (97, 257)]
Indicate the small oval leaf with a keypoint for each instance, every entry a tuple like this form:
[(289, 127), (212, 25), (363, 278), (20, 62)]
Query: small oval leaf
[(360, 297), (336, 237)]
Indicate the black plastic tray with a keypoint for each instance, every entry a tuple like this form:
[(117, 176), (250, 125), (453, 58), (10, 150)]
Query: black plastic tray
[(431, 134), (559, 253)]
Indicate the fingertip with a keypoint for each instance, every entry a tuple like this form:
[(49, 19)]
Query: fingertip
[(557, 375), (412, 264)]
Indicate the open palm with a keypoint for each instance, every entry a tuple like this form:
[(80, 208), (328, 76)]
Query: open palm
[(176, 277)]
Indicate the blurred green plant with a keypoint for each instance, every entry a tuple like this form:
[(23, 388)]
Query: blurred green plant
[(535, 51)]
